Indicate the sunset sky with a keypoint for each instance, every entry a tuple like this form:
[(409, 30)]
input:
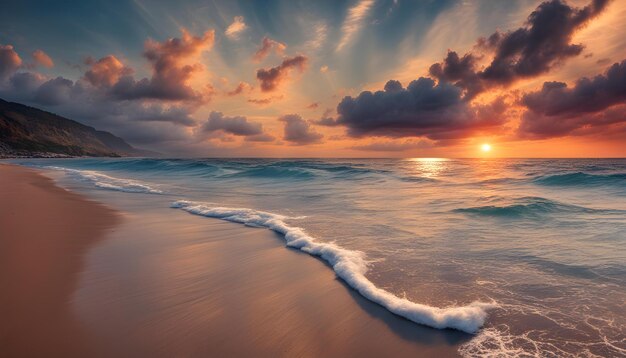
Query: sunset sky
[(367, 78)]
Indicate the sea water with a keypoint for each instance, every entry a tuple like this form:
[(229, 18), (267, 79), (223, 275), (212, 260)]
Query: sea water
[(529, 255)]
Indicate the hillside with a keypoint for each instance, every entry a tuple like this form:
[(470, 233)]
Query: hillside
[(28, 131)]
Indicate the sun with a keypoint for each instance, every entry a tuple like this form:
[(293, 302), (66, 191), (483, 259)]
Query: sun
[(486, 147)]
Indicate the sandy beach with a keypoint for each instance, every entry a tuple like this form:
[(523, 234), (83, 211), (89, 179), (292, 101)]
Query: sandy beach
[(79, 279), (44, 233)]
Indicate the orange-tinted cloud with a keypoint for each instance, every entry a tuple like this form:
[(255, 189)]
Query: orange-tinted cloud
[(106, 71), (271, 78), (241, 87), (267, 45), (171, 71), (10, 61), (265, 101), (234, 30), (42, 59)]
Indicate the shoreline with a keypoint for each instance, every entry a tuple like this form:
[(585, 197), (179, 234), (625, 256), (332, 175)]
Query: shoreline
[(193, 286)]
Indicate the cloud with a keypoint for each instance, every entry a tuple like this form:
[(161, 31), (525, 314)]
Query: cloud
[(557, 110), (267, 45), (10, 61), (354, 22), (272, 77), (298, 131), (170, 70), (241, 87), (88, 100), (318, 38), (393, 146), (236, 125), (264, 137), (327, 122), (265, 101), (42, 59), (435, 111), (178, 115), (234, 30), (105, 72), (529, 51), (55, 91), (313, 105)]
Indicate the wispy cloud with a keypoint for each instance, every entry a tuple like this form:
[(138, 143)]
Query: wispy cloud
[(354, 21), (234, 30)]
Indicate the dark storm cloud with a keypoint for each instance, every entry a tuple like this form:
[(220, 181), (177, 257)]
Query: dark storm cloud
[(529, 51), (424, 108), (272, 77), (557, 110), (298, 131), (459, 71)]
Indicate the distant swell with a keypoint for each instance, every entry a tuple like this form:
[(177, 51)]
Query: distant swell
[(582, 179), (273, 173), (350, 266), (107, 182), (527, 206)]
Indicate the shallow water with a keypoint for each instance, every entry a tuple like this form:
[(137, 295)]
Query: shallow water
[(544, 239)]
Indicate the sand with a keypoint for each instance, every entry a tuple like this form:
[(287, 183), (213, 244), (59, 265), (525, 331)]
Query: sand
[(44, 233), (163, 283)]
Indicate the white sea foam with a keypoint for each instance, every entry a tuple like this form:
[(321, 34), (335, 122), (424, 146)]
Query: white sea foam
[(350, 266), (108, 182)]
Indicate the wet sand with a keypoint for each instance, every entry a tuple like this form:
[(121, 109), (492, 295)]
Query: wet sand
[(164, 283)]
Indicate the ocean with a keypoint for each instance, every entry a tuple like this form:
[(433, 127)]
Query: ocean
[(527, 255)]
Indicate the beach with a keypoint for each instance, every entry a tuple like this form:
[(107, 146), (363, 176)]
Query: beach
[(82, 279), (45, 232)]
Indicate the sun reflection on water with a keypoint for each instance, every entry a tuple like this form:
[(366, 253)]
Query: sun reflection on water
[(429, 167)]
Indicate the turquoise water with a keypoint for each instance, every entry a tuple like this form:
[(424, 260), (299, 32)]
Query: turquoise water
[(530, 254)]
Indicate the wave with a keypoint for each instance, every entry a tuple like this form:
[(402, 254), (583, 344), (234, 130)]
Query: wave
[(581, 179), (108, 182), (237, 168), (350, 266), (527, 207), (176, 166), (272, 173)]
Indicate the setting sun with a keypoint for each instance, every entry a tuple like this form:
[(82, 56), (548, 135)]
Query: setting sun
[(486, 147)]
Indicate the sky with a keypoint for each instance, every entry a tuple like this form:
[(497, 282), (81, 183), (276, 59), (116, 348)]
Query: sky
[(360, 78)]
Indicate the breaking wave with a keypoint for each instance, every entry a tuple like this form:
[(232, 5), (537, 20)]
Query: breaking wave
[(108, 182), (350, 266)]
